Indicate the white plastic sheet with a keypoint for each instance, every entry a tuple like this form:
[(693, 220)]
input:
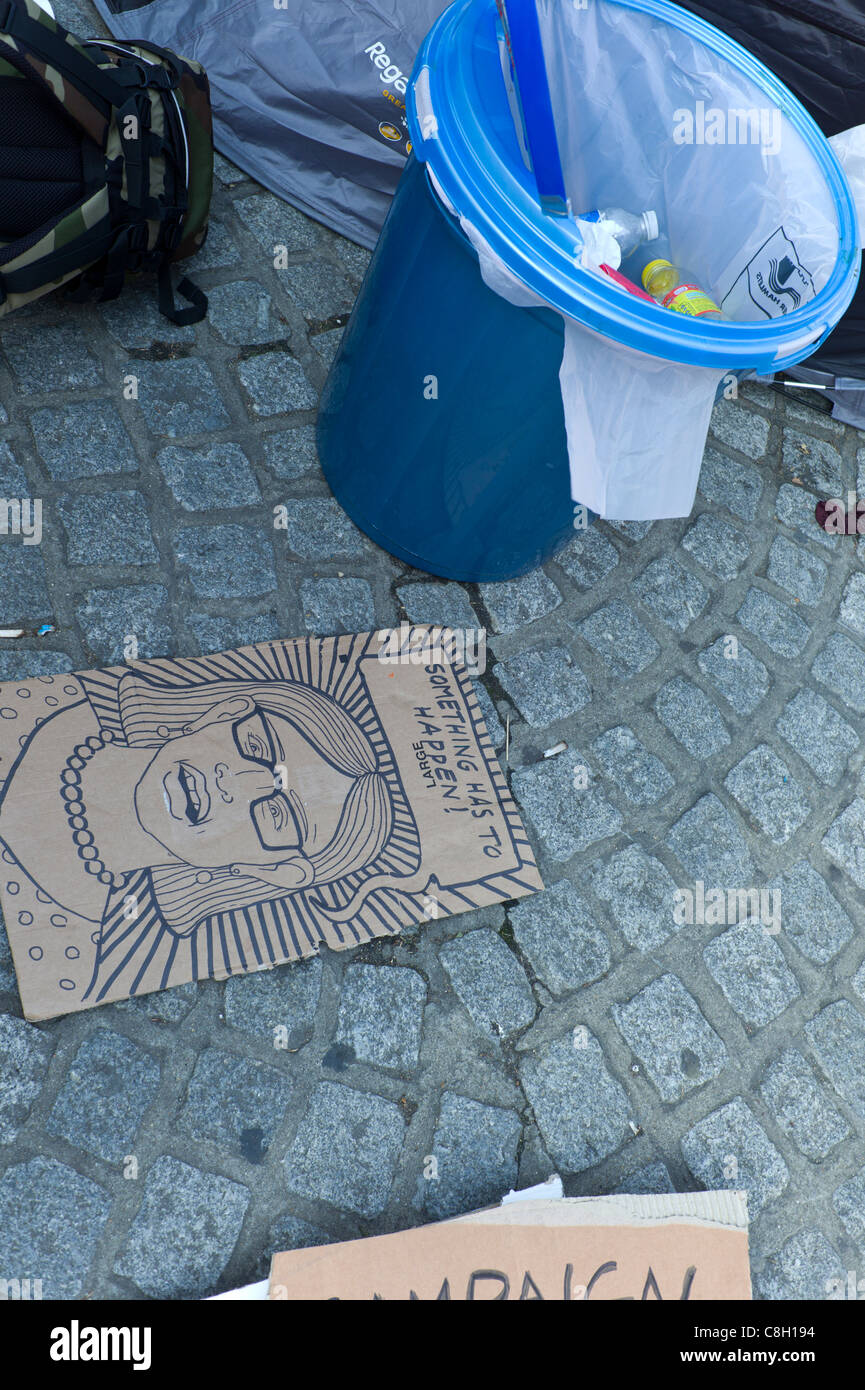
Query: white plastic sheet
[(636, 427), (849, 146)]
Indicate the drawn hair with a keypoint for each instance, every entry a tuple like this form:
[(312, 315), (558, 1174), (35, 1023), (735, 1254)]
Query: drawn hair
[(153, 713)]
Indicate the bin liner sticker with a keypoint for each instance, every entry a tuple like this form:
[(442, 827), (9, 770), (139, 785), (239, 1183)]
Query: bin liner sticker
[(179, 820), (774, 280)]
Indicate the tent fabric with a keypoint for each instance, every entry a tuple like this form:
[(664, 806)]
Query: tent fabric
[(817, 48), (309, 99)]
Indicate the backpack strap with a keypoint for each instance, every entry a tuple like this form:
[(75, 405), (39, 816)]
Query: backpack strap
[(197, 298), (46, 48), (164, 76), (81, 251)]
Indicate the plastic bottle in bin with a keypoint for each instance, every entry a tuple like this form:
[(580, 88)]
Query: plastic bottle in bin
[(629, 229), (678, 290)]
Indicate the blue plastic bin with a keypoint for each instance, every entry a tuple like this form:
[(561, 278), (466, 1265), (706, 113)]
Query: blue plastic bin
[(466, 476), (441, 430)]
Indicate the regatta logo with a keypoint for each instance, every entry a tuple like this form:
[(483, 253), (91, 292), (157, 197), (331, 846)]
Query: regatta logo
[(77, 1343), (735, 125), (22, 517), (390, 73)]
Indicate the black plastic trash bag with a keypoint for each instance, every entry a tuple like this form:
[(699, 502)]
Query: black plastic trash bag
[(308, 95)]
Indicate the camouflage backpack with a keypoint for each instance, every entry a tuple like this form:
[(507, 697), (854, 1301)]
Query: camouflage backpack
[(106, 163)]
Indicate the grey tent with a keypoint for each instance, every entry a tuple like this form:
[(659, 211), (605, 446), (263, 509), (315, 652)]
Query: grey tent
[(308, 95)]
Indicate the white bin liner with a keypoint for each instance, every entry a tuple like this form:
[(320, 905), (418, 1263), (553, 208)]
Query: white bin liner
[(648, 118), (636, 427), (627, 464)]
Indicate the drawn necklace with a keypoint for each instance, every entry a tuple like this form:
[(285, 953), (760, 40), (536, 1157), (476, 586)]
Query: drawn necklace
[(73, 805)]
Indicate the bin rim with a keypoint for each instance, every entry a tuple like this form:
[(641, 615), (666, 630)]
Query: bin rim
[(499, 198)]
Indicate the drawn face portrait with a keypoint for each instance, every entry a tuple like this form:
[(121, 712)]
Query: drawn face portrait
[(196, 818), (246, 787)]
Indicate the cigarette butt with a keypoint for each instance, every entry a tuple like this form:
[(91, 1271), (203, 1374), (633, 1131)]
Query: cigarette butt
[(556, 749), (11, 632)]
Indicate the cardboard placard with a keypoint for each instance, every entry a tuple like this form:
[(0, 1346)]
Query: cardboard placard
[(178, 820), (691, 1246)]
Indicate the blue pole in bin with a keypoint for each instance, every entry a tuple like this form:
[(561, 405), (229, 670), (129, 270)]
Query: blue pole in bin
[(441, 430), (527, 72)]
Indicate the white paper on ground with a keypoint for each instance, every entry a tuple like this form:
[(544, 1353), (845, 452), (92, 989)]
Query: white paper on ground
[(727, 1209), (249, 1293), (551, 1190), (849, 146)]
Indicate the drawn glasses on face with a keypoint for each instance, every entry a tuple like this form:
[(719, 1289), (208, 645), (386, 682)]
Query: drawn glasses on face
[(273, 816)]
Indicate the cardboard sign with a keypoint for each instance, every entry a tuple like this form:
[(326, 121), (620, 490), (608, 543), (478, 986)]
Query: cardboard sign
[(189, 819), (689, 1246)]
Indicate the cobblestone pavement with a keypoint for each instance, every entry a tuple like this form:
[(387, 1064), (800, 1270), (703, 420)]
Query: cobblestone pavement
[(164, 1147)]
